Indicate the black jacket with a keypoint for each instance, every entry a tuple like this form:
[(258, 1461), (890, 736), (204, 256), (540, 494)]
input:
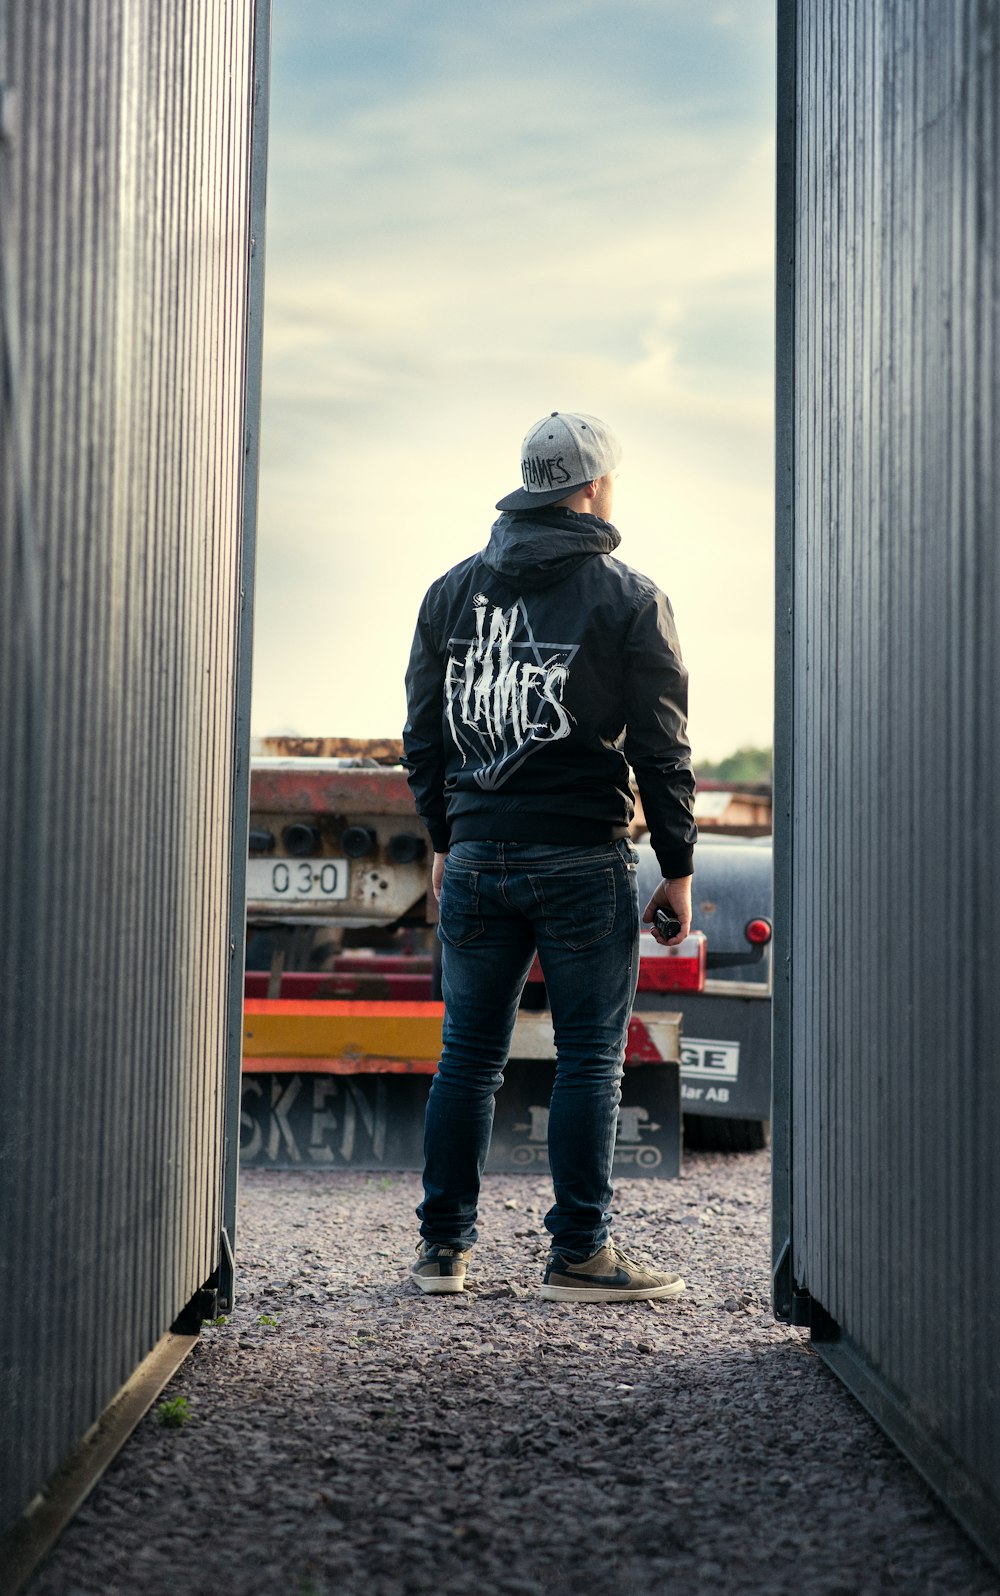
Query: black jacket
[(542, 669)]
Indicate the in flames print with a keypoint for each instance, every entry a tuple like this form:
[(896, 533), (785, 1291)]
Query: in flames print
[(504, 691)]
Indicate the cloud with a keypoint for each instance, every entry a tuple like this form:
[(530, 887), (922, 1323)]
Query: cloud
[(467, 283), (453, 254)]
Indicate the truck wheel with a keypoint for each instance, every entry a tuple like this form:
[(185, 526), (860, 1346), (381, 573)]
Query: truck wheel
[(708, 1133)]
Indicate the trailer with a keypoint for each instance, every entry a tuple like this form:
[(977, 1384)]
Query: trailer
[(342, 1011)]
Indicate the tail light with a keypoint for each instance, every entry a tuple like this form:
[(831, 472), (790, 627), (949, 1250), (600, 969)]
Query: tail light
[(301, 840), (679, 969), (357, 841), (758, 932)]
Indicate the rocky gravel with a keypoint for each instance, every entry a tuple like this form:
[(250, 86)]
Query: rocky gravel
[(343, 1435)]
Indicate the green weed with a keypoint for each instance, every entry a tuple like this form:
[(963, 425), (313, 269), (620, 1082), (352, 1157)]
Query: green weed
[(174, 1412)]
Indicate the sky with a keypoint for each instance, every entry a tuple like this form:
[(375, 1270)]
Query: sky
[(478, 214)]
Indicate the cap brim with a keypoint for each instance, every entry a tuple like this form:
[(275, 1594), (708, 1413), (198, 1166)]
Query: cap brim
[(521, 499)]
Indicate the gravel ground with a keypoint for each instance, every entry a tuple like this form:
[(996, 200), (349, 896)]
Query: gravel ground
[(348, 1436)]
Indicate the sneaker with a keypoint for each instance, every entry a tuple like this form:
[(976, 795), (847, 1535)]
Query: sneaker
[(607, 1276), (440, 1268)]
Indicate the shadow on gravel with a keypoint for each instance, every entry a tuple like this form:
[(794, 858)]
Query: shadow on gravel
[(351, 1437), (485, 1466), (748, 1471)]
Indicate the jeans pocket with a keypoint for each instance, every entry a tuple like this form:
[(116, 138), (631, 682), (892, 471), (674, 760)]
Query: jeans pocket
[(629, 852), (578, 910), (460, 918)]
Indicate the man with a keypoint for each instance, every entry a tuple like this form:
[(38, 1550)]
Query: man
[(541, 669)]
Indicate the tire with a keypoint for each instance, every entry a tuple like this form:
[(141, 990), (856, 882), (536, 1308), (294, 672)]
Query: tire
[(710, 1133)]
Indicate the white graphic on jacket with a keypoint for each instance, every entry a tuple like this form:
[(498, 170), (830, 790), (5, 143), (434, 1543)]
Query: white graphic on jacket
[(503, 691)]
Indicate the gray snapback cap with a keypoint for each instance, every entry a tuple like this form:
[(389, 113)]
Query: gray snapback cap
[(559, 454)]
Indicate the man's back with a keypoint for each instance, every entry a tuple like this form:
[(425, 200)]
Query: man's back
[(555, 667), (541, 669)]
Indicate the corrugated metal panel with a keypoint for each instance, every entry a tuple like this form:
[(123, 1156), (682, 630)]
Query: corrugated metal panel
[(124, 231), (888, 729), (244, 654)]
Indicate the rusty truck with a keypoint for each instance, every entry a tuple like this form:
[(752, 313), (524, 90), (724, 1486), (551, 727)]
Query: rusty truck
[(342, 1010)]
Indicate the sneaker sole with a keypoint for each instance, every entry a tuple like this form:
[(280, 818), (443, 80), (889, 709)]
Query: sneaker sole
[(609, 1293), (440, 1285)]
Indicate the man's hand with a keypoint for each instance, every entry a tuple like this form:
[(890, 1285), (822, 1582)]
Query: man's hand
[(676, 896), (437, 875)]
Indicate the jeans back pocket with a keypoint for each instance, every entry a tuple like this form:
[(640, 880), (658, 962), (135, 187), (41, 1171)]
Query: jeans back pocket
[(460, 917), (578, 909)]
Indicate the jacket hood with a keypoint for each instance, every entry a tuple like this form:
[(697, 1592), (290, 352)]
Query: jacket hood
[(537, 548)]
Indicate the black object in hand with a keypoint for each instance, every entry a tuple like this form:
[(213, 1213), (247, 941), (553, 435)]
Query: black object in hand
[(666, 923)]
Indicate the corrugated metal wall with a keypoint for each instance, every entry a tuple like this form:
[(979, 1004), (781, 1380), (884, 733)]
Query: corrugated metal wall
[(887, 1008), (125, 242)]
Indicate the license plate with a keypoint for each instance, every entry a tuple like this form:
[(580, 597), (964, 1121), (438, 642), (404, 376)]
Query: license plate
[(297, 880)]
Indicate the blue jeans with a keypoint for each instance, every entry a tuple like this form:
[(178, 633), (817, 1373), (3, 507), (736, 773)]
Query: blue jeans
[(579, 907)]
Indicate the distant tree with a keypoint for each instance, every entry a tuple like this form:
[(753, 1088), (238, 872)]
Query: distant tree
[(747, 764)]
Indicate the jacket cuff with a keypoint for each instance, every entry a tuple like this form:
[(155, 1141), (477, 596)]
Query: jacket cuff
[(440, 836), (675, 862)]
